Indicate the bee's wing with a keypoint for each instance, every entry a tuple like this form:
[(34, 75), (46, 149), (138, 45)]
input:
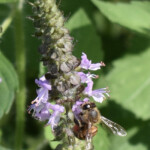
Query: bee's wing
[(114, 127)]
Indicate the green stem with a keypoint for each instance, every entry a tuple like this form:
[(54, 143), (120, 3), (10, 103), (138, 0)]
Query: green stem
[(20, 67)]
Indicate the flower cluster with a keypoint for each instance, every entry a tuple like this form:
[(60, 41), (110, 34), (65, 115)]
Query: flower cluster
[(98, 95), (41, 106)]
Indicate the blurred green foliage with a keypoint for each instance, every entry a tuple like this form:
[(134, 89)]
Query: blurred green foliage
[(113, 31)]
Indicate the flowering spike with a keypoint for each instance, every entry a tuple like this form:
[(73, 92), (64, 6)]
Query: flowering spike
[(65, 83)]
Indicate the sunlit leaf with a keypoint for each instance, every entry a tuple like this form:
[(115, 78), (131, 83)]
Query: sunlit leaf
[(134, 15), (87, 39), (3, 148), (129, 79), (8, 85), (132, 141), (8, 1), (50, 137), (101, 140)]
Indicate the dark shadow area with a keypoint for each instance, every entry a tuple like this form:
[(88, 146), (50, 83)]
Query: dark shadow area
[(118, 114), (32, 45), (114, 46), (91, 46), (136, 47), (127, 119), (143, 135), (147, 31), (125, 43), (7, 44), (70, 8)]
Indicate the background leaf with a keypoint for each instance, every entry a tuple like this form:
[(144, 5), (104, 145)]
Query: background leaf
[(8, 1), (129, 80), (134, 15), (50, 137), (3, 148), (87, 40), (8, 85), (101, 140), (130, 144)]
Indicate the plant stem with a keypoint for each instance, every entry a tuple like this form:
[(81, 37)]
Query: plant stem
[(20, 67)]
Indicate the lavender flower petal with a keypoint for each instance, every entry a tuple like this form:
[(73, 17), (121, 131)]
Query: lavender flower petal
[(85, 78), (55, 117), (86, 99), (42, 92), (42, 95), (43, 83), (99, 95), (94, 67), (40, 112), (76, 105), (87, 64), (88, 89)]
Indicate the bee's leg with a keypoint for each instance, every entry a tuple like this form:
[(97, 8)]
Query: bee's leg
[(89, 144), (77, 121)]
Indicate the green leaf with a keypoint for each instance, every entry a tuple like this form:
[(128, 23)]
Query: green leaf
[(129, 79), (8, 1), (134, 15), (87, 39), (4, 148), (50, 137), (8, 85), (6, 23), (132, 141), (101, 140)]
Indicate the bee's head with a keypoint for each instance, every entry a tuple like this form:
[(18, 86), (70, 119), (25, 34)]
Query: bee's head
[(88, 106)]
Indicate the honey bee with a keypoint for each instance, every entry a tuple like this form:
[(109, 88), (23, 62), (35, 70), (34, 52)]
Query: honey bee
[(89, 116)]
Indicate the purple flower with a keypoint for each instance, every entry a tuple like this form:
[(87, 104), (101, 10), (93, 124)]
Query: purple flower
[(87, 64), (0, 80), (42, 92), (88, 89), (99, 95), (76, 105), (55, 117), (43, 83), (86, 78), (42, 113)]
